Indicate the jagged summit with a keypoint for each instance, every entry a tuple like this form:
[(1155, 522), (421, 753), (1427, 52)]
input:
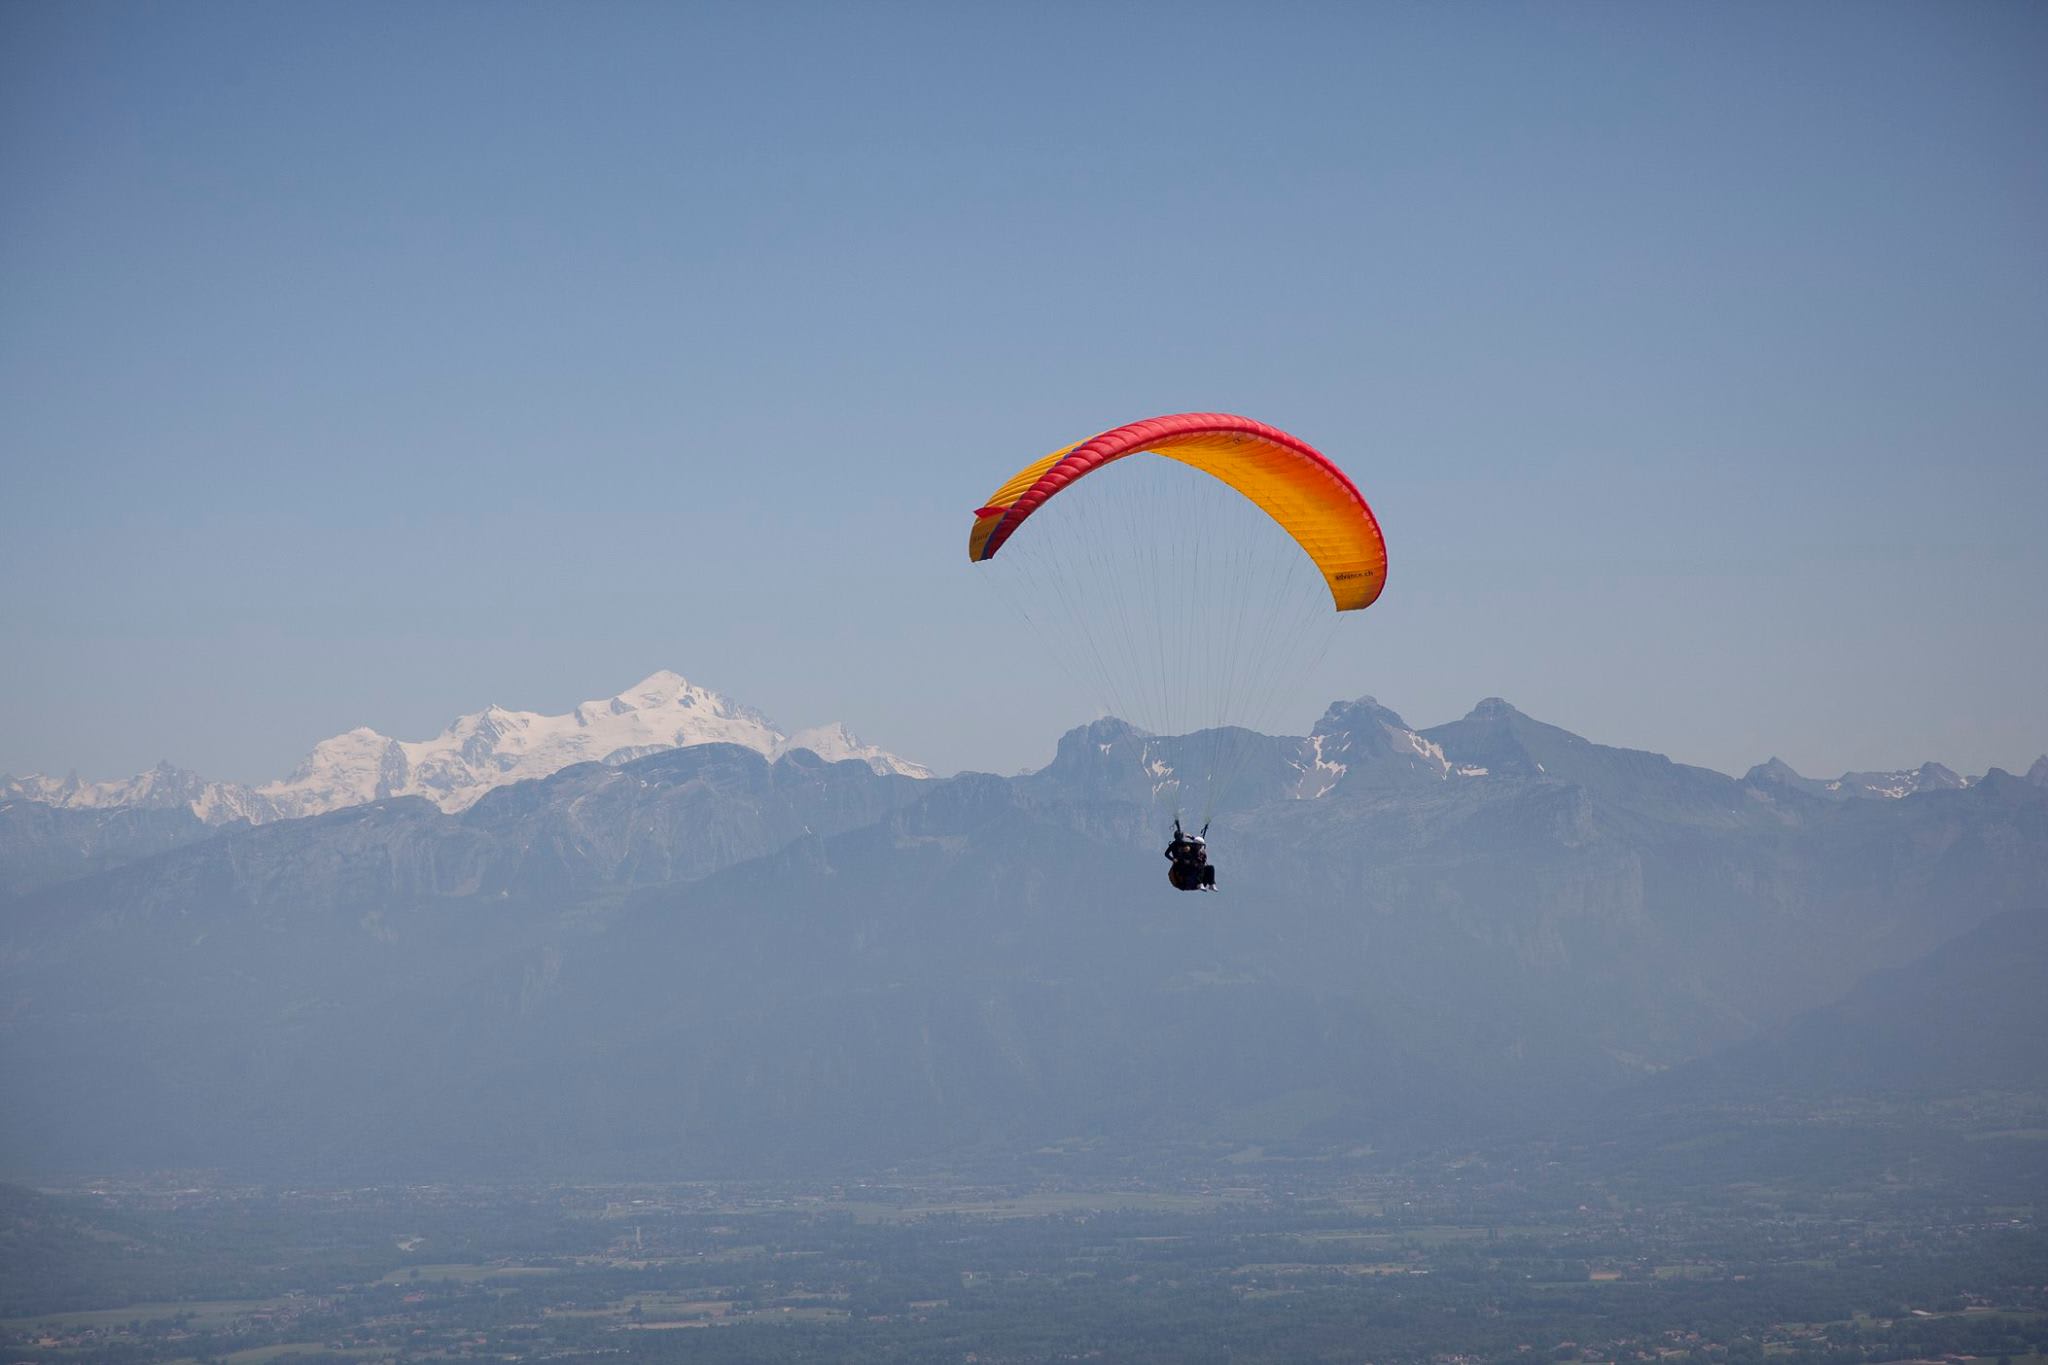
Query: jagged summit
[(1361, 743), (1085, 746), (474, 754), (1851, 786), (1344, 715)]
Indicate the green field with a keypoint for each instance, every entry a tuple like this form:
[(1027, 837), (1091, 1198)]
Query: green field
[(467, 1274), (261, 1355), (205, 1313)]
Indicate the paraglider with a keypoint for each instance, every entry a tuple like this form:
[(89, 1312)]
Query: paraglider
[(1188, 612), (1190, 870)]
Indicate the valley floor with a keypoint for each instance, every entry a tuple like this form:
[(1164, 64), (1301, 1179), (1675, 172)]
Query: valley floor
[(1534, 1252)]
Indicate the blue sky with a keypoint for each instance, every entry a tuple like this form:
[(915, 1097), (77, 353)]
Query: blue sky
[(365, 364)]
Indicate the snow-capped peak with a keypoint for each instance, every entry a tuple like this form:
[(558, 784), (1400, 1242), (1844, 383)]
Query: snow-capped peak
[(162, 786), (835, 742), (667, 689), (475, 753)]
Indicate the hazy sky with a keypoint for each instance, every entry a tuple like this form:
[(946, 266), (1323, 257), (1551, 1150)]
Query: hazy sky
[(365, 364)]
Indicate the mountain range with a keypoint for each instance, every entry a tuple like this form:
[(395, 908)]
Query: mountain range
[(473, 755), (714, 958)]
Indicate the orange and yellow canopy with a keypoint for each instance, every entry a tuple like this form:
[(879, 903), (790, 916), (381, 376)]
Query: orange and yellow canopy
[(1290, 480)]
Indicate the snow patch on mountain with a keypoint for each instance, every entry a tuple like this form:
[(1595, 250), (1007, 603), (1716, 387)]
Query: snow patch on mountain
[(476, 753), (1429, 751), (1321, 773)]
